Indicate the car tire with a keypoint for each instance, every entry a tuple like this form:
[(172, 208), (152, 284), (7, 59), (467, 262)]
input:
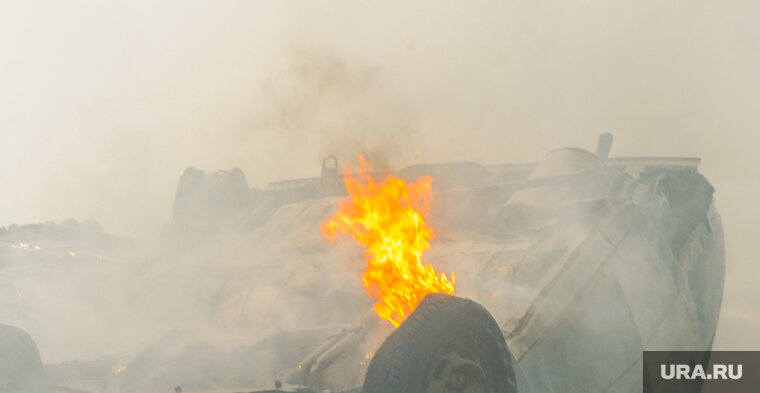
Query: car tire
[(447, 345), (20, 362)]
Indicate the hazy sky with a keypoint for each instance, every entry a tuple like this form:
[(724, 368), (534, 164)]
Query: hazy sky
[(103, 104)]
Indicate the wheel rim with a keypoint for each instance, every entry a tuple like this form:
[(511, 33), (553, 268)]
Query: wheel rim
[(457, 372)]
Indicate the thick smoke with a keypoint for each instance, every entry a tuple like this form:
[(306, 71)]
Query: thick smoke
[(104, 105)]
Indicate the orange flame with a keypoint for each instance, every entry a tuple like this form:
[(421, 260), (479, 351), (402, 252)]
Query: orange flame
[(388, 220)]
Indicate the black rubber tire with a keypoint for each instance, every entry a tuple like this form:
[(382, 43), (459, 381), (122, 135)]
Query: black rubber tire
[(20, 362), (405, 362)]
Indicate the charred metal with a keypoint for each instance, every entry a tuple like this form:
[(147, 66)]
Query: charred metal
[(557, 262)]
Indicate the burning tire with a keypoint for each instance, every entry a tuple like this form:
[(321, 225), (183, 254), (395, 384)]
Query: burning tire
[(448, 345)]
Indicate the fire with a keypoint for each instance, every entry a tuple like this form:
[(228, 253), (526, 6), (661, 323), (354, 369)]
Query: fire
[(388, 220)]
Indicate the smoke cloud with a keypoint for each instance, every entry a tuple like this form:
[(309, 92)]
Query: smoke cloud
[(104, 105)]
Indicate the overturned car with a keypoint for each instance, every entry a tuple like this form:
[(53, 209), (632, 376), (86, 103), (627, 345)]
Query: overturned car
[(566, 271)]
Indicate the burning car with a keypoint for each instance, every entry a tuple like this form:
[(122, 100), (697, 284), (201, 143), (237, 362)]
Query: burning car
[(539, 277)]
